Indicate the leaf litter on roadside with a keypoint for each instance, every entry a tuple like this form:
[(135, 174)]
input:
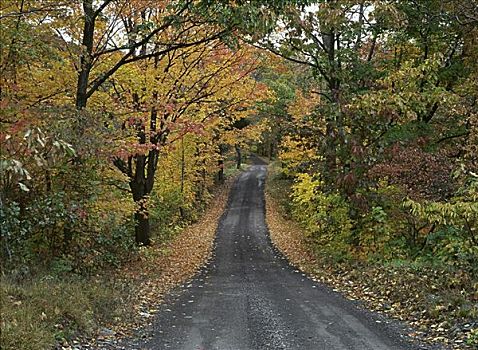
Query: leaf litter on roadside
[(162, 267), (420, 299)]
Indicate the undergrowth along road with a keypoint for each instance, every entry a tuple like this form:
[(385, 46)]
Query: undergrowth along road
[(412, 294)]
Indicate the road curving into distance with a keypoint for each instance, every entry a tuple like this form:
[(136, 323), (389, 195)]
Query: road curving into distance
[(249, 297)]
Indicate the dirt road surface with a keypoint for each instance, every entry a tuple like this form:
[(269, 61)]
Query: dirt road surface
[(249, 297)]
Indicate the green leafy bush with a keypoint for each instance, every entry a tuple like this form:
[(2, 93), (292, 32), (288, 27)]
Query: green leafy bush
[(55, 231), (324, 216), (13, 230), (452, 236), (166, 211)]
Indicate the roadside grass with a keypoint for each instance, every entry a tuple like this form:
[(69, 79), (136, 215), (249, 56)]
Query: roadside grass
[(439, 302), (43, 311)]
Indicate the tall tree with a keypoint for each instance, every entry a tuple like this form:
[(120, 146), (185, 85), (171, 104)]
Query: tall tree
[(180, 94)]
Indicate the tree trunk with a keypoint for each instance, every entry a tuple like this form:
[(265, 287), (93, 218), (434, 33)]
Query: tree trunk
[(238, 156), (140, 169), (220, 172), (220, 163), (142, 227), (183, 165), (141, 215), (141, 185), (86, 56), (183, 174)]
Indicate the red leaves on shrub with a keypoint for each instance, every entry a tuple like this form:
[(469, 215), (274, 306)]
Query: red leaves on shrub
[(421, 174)]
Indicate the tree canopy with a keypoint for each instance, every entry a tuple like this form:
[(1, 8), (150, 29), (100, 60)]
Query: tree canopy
[(118, 118)]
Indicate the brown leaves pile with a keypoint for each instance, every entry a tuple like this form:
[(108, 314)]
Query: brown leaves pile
[(426, 301)]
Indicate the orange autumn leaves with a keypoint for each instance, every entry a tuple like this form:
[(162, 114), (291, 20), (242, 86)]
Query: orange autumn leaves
[(199, 89)]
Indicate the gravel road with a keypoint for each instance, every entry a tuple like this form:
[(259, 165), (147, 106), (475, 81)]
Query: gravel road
[(249, 297)]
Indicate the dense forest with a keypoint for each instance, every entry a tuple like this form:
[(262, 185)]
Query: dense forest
[(120, 120)]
